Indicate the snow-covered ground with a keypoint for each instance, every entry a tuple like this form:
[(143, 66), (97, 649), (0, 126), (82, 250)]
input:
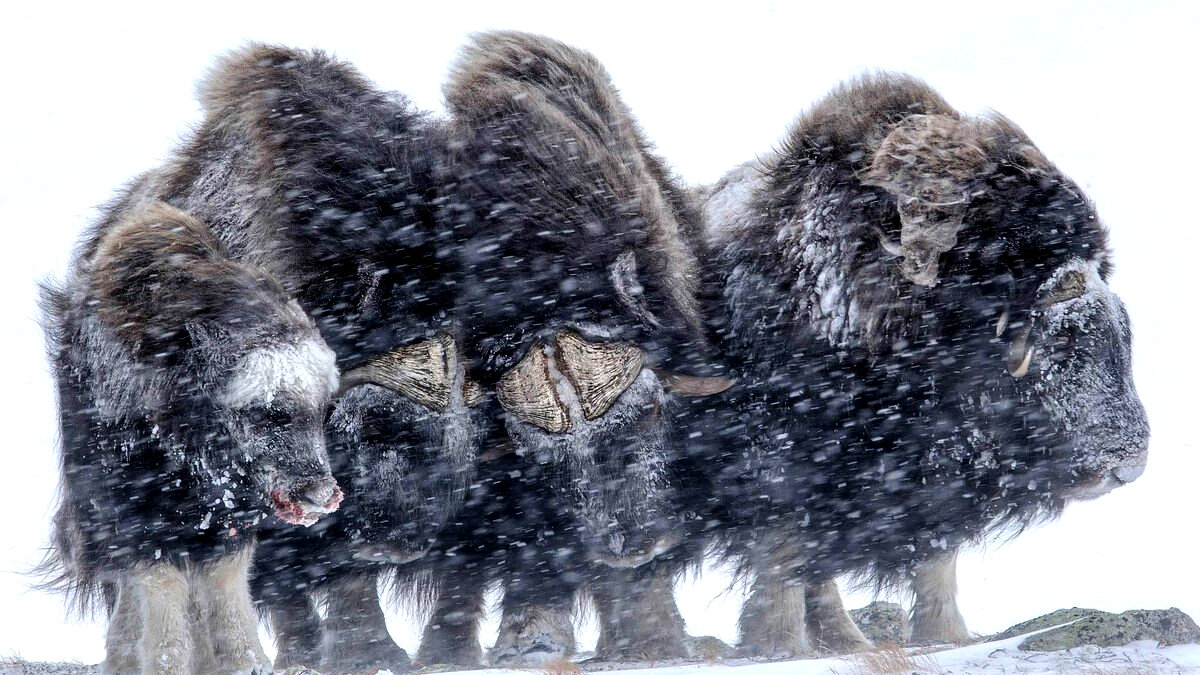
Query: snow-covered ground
[(998, 657), (95, 93)]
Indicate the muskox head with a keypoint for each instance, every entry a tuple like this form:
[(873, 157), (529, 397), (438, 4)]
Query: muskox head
[(1071, 356), (405, 432), (988, 223), (594, 414), (232, 373), (273, 408)]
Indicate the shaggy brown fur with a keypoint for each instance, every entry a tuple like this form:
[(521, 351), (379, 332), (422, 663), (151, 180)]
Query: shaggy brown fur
[(161, 269)]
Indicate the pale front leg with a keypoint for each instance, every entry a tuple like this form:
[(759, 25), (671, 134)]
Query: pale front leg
[(935, 615), (124, 629), (356, 637), (161, 592), (829, 624), (223, 596), (772, 621), (639, 620)]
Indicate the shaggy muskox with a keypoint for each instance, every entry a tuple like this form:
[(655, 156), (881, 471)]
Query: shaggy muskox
[(578, 294), (306, 171), (349, 177), (915, 303), (192, 393)]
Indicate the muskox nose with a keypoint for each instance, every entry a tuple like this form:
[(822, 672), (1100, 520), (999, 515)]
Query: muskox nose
[(322, 497), (1128, 474), (1133, 469)]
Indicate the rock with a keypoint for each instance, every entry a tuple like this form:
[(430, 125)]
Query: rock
[(1103, 629), (708, 648), (884, 623)]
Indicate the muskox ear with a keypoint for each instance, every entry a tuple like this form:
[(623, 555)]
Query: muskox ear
[(932, 164)]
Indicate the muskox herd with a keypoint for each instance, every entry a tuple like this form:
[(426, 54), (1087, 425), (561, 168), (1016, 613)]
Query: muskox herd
[(505, 346)]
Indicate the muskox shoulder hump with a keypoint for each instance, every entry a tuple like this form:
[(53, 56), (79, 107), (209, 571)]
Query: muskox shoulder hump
[(499, 65), (858, 113), (247, 77)]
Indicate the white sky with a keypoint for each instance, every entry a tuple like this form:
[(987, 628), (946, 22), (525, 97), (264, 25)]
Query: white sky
[(93, 95)]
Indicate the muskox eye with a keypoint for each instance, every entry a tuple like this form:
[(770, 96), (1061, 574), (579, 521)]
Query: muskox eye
[(264, 418)]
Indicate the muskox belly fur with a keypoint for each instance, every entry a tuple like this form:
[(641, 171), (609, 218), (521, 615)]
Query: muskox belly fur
[(192, 391), (915, 304)]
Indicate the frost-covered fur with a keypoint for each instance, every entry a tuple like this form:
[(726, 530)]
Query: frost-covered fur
[(916, 305), (304, 170), (569, 223), (169, 461)]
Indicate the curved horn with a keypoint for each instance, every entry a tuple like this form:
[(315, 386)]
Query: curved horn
[(528, 393), (691, 385), (422, 372), (1020, 356), (600, 371), (1002, 323), (931, 163)]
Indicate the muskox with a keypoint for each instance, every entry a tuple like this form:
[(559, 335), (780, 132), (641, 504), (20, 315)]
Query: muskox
[(192, 392), (915, 303), (307, 171), (578, 296), (346, 179)]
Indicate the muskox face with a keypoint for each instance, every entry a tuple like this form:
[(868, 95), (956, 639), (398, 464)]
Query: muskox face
[(593, 416), (1073, 359), (405, 437), (274, 409)]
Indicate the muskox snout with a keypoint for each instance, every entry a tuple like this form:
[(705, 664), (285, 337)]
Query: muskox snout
[(323, 497), (1128, 474), (1113, 476), (303, 501)]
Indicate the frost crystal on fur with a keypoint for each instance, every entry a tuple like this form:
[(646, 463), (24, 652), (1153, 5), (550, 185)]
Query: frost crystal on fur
[(301, 370)]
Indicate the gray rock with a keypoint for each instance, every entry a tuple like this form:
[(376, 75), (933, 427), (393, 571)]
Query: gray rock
[(884, 623), (1103, 629), (708, 648)]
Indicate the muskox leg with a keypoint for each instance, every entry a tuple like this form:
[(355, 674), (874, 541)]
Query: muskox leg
[(356, 635), (124, 628), (230, 625), (162, 595), (535, 628), (772, 622), (452, 635), (297, 628), (639, 620), (828, 623), (935, 615)]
